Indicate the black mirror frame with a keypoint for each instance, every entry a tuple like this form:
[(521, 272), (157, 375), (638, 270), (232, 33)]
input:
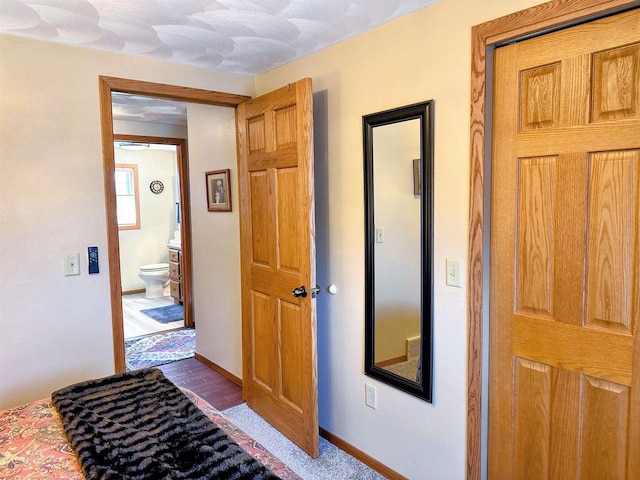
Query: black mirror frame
[(423, 111)]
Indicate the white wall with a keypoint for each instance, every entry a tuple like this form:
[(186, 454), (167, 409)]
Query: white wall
[(215, 239), (55, 330), (148, 244), (426, 55), (127, 127)]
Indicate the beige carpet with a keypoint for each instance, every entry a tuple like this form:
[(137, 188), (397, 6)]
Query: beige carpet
[(331, 464), (408, 369)]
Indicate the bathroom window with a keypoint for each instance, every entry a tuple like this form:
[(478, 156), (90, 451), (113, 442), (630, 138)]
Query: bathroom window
[(127, 198)]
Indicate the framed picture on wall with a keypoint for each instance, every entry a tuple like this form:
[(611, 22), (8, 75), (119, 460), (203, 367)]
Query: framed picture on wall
[(218, 190)]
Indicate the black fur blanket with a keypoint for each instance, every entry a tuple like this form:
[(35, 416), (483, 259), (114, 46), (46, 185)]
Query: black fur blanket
[(139, 425)]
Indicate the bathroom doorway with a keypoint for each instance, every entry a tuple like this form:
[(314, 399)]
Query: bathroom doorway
[(150, 217), (109, 89), (149, 232)]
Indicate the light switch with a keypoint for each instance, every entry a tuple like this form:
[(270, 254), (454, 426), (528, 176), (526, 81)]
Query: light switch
[(71, 264), (454, 272), (379, 235)]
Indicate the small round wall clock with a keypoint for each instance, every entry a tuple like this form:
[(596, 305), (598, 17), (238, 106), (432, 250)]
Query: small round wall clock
[(156, 186)]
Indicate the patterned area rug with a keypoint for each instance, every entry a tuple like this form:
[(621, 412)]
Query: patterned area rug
[(166, 314), (160, 349)]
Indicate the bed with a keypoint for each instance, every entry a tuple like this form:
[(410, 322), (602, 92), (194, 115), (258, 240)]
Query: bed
[(33, 444)]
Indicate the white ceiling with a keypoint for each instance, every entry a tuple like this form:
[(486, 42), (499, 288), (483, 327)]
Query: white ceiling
[(137, 108), (239, 36)]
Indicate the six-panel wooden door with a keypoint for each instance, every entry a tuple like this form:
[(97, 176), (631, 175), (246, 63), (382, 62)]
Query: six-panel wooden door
[(564, 399), (275, 162)]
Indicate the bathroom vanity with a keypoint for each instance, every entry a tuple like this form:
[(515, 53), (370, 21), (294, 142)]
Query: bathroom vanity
[(175, 273)]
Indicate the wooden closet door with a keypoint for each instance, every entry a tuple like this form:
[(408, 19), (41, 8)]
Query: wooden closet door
[(564, 400)]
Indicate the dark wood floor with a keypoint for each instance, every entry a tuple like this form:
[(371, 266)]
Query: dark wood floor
[(220, 392)]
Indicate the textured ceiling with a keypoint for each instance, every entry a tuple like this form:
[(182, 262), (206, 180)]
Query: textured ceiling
[(137, 108), (240, 36)]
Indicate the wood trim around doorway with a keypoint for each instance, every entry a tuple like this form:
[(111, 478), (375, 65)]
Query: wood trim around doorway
[(107, 85), (484, 37)]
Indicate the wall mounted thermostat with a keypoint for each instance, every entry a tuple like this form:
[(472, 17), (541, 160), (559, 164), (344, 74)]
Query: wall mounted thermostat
[(93, 260)]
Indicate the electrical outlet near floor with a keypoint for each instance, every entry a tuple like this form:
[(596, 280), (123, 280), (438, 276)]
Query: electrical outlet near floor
[(371, 397)]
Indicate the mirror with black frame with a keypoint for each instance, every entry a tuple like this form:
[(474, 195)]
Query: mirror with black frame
[(398, 176)]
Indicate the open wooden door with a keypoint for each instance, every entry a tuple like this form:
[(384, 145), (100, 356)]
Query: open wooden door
[(564, 400), (275, 163)]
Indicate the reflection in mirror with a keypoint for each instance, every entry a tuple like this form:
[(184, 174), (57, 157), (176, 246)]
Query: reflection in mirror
[(396, 248), (398, 203)]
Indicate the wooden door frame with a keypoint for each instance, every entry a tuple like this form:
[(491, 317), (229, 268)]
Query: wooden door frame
[(107, 85), (484, 38)]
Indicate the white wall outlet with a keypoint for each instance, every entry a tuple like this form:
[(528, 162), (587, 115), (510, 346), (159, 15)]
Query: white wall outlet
[(71, 264), (454, 272), (371, 397)]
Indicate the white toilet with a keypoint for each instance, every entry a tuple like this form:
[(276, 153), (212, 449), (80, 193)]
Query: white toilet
[(156, 276)]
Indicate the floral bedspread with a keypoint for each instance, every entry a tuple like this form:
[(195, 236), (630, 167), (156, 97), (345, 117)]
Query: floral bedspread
[(33, 445)]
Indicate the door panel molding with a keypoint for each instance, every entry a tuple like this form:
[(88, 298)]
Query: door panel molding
[(532, 21)]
